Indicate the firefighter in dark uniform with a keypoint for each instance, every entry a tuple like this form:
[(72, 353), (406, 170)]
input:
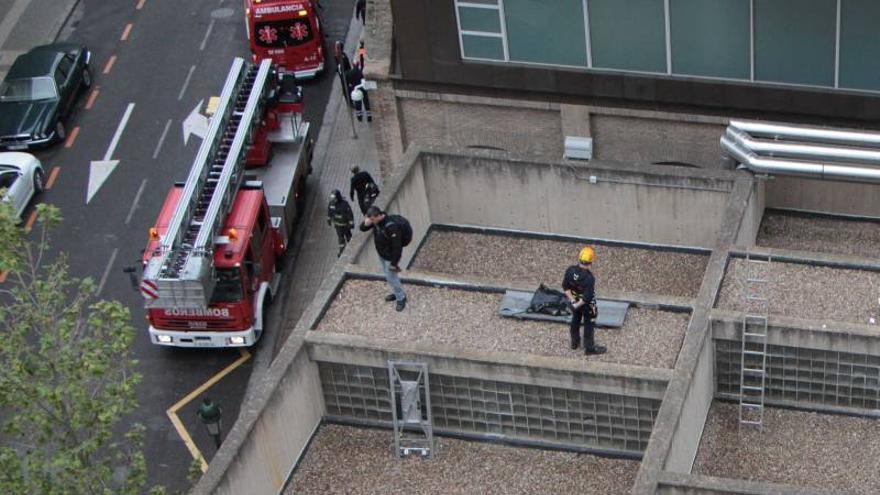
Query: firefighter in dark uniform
[(340, 216), (363, 184), (580, 289)]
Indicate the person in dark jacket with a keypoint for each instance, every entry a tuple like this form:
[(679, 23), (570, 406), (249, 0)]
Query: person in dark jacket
[(388, 238), (360, 11), (343, 65), (363, 184), (340, 216), (579, 285), (354, 77)]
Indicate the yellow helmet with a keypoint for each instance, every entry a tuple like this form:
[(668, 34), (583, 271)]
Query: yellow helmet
[(586, 255)]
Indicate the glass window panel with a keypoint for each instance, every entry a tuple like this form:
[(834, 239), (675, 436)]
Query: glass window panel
[(710, 38), (794, 41), (482, 47), (476, 19), (628, 34), (546, 32), (859, 44)]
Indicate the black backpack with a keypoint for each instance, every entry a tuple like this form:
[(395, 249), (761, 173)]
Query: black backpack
[(406, 232)]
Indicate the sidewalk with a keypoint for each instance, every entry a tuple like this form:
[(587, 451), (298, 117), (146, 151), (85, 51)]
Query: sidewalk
[(336, 152), (28, 23)]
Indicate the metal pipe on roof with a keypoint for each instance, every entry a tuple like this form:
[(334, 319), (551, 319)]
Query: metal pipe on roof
[(828, 136), (800, 150), (814, 170)]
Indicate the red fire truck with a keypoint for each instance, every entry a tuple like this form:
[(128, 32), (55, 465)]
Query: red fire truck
[(211, 260), (288, 32)]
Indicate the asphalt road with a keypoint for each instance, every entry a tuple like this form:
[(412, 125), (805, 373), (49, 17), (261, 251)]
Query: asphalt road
[(173, 55)]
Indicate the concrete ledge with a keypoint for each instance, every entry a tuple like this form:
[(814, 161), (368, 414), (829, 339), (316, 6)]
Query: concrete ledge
[(683, 484), (502, 366)]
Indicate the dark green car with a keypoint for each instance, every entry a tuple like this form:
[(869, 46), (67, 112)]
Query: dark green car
[(39, 92)]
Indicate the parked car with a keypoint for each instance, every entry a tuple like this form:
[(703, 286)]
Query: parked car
[(21, 176), (39, 92)]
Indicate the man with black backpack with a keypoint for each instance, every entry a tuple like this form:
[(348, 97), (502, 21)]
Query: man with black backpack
[(363, 184), (391, 234)]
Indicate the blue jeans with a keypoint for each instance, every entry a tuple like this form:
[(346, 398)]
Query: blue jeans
[(393, 280)]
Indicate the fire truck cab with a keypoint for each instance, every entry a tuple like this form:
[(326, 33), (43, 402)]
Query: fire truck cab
[(244, 262), (288, 32)]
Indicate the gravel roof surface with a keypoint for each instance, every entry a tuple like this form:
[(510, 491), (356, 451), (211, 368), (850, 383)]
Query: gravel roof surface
[(812, 292), (796, 447), (544, 261), (820, 234), (468, 320), (350, 460)]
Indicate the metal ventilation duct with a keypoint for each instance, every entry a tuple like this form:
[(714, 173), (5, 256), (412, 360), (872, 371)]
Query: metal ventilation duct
[(804, 151)]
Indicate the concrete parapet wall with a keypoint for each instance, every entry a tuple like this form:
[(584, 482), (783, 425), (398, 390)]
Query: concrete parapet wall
[(258, 459), (843, 198), (600, 407), (682, 484), (807, 366), (599, 200)]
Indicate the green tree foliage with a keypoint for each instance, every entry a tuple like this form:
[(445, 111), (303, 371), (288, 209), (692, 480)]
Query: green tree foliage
[(67, 378)]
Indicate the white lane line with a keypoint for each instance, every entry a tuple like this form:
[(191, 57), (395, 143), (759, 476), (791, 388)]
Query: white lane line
[(162, 139), (186, 82), (137, 199), (11, 19), (107, 271), (119, 129), (207, 33)]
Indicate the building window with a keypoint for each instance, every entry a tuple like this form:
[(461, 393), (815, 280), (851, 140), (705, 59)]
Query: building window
[(859, 44), (628, 34), (481, 30), (795, 41), (545, 32), (711, 38)]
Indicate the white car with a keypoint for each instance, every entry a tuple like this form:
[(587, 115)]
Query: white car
[(21, 176)]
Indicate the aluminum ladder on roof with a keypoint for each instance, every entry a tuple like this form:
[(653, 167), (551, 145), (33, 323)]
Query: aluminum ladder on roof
[(411, 408), (753, 363), (182, 267)]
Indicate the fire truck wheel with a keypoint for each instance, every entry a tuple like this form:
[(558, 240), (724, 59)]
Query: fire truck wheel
[(38, 181), (87, 78)]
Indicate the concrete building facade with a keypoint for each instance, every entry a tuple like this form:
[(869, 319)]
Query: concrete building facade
[(647, 80)]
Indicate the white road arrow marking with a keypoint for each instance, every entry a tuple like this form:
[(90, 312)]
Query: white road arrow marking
[(100, 170), (195, 123)]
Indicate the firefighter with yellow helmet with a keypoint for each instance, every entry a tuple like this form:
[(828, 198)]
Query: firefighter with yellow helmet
[(579, 285)]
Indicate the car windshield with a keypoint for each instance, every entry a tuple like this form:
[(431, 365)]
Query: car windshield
[(279, 34), (228, 288), (7, 178), (38, 88)]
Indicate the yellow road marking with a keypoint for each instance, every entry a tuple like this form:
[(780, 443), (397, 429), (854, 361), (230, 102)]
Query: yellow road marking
[(213, 103), (92, 97), (126, 31), (30, 221), (140, 4), (109, 64), (72, 137), (53, 176), (178, 424)]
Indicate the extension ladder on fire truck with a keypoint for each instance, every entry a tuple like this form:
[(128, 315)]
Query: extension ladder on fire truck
[(411, 409), (753, 361), (180, 273)]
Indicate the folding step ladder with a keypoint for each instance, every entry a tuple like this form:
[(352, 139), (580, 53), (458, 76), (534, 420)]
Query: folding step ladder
[(411, 409), (753, 363)]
